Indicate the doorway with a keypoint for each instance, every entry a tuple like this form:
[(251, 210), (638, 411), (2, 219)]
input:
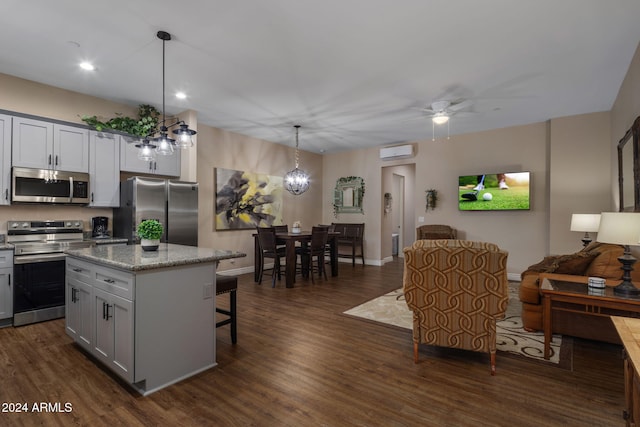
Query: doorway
[(398, 223)]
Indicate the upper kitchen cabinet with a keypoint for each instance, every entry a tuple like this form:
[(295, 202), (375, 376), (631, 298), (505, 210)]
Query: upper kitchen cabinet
[(5, 161), (104, 169), (162, 165), (44, 145)]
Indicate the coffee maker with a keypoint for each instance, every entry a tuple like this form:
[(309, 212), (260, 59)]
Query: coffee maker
[(99, 225)]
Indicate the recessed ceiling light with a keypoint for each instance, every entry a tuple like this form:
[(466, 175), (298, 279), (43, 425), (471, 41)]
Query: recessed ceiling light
[(87, 66), (181, 95)]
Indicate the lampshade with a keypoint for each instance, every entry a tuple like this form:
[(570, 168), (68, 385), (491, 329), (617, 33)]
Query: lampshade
[(585, 222), (146, 150), (622, 228)]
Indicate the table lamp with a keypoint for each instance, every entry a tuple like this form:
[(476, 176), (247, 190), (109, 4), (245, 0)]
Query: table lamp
[(622, 228), (585, 223)]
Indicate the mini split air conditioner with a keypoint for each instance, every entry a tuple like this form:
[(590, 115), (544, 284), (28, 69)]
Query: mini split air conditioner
[(396, 152)]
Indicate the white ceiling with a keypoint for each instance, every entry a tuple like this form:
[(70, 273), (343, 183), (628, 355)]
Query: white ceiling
[(352, 73)]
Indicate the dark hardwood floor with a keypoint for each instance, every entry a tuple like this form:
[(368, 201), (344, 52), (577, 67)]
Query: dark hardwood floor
[(300, 362)]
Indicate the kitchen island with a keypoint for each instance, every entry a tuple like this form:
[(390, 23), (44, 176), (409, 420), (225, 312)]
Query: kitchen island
[(148, 316)]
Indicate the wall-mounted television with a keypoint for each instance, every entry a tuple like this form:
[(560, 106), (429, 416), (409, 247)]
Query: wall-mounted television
[(494, 192)]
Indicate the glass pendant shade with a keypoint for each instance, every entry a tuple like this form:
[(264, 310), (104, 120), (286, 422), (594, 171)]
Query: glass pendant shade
[(296, 181), (440, 118), (146, 151), (185, 136), (164, 144)]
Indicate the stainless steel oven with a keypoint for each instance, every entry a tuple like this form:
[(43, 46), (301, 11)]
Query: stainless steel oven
[(39, 267)]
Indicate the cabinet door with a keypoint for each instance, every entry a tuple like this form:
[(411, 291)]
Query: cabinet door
[(113, 332), (5, 159), (104, 169), (129, 161), (168, 165), (78, 316), (32, 143), (6, 293), (70, 148)]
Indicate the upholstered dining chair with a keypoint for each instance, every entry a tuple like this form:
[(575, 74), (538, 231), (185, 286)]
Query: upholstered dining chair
[(457, 290), (269, 249)]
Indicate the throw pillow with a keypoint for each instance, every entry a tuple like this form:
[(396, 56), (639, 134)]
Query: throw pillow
[(575, 264)]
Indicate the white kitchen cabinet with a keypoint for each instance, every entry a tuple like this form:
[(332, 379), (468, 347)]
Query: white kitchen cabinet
[(6, 284), (162, 165), (104, 169), (113, 332), (44, 145), (78, 300), (5, 161)]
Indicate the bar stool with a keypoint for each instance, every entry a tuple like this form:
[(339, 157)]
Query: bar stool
[(228, 284)]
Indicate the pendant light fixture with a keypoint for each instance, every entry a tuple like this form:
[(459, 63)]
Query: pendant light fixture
[(163, 144), (296, 181)]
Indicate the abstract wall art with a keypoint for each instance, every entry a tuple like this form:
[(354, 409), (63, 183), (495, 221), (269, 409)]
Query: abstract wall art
[(246, 200)]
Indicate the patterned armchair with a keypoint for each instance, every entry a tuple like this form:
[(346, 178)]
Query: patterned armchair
[(457, 290)]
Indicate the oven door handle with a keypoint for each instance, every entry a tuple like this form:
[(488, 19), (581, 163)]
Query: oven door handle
[(30, 259)]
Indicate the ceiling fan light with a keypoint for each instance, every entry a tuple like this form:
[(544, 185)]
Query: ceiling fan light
[(440, 119)]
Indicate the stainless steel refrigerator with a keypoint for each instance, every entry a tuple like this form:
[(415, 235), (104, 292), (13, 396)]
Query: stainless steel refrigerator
[(173, 203)]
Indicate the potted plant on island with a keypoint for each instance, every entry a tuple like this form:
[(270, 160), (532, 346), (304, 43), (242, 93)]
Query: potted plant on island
[(150, 231)]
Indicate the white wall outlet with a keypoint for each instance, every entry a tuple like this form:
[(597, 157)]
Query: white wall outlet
[(420, 219)]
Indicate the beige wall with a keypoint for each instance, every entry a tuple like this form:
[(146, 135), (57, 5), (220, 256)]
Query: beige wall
[(219, 148), (579, 176)]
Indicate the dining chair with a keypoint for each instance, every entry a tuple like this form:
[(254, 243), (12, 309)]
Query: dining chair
[(316, 248), (269, 249)]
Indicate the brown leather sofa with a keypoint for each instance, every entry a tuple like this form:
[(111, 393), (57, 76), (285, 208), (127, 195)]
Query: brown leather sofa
[(595, 260)]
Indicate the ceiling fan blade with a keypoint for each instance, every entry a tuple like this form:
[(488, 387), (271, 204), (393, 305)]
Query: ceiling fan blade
[(460, 105)]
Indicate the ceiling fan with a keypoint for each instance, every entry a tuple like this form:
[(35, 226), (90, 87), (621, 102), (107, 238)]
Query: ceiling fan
[(441, 111)]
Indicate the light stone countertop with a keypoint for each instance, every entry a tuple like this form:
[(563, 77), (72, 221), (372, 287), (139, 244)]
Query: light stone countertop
[(133, 258)]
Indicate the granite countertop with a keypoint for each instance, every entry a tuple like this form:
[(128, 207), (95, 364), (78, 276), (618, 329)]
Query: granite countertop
[(133, 258)]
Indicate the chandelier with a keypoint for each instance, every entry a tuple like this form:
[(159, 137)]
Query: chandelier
[(296, 181), (162, 144)]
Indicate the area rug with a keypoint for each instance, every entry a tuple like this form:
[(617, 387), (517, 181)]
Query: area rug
[(391, 309)]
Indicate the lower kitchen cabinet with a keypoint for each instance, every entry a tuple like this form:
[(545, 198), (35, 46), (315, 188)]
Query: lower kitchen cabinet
[(152, 327), (6, 286), (113, 320), (78, 300)]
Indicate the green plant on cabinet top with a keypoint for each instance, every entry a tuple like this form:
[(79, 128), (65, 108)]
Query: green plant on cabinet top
[(143, 126), (150, 229)]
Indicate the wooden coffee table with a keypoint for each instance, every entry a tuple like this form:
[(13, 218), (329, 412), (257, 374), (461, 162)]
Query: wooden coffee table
[(574, 296)]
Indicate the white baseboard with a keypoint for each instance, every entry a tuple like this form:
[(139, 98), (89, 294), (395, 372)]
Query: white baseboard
[(514, 277)]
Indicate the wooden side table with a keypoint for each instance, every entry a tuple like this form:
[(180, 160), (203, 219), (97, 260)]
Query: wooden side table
[(577, 297)]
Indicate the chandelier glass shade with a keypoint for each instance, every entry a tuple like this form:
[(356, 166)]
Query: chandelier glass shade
[(440, 118), (162, 144), (296, 181)]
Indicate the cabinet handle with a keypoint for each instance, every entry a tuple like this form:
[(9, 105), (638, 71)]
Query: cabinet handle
[(150, 165), (56, 160), (109, 280), (108, 315), (104, 310), (74, 299), (77, 270), (92, 197), (9, 279), (155, 166), (6, 194), (49, 159)]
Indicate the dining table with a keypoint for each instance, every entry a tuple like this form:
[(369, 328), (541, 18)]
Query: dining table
[(291, 241)]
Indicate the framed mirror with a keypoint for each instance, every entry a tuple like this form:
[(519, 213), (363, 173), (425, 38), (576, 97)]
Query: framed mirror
[(348, 195), (629, 169)]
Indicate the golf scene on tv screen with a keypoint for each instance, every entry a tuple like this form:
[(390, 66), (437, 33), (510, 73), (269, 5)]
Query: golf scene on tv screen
[(494, 192)]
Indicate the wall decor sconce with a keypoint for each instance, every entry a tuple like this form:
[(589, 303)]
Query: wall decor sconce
[(432, 199), (387, 202)]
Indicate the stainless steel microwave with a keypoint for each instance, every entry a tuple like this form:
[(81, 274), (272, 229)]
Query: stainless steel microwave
[(49, 186)]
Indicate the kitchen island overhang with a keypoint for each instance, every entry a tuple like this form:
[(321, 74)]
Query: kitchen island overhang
[(148, 316)]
